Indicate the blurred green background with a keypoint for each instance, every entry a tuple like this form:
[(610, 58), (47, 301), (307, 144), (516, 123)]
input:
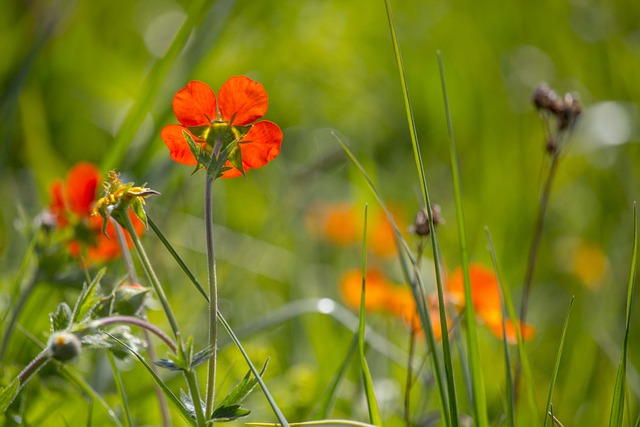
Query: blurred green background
[(94, 81)]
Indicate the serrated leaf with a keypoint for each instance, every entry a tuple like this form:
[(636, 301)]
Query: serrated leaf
[(88, 299), (229, 413), (8, 394), (240, 391), (201, 357), (168, 364), (61, 319), (187, 402)]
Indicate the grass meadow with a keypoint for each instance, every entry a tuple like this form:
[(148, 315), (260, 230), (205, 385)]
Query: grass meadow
[(516, 124)]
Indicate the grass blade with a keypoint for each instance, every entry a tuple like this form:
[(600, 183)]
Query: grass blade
[(557, 366), (263, 386), (167, 391), (120, 388), (177, 257), (372, 403), (617, 405), (325, 406), (510, 395), (477, 381)]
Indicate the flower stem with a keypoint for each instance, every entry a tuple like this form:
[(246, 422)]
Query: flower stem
[(99, 323), (537, 235), (151, 274), (213, 296)]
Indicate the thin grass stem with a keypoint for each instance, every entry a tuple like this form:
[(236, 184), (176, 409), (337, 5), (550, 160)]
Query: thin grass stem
[(120, 389)]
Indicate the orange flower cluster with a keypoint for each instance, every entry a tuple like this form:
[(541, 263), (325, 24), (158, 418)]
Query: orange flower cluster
[(383, 296), (72, 201), (486, 301), (343, 223), (227, 120)]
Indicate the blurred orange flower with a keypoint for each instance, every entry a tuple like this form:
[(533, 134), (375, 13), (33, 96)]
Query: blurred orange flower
[(342, 224), (71, 204), (241, 101), (486, 300), (383, 296)]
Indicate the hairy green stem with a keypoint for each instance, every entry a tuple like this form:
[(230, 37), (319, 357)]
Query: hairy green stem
[(195, 396), (213, 295), (38, 362)]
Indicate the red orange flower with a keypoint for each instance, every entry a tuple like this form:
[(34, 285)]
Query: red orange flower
[(486, 300), (71, 204), (215, 125)]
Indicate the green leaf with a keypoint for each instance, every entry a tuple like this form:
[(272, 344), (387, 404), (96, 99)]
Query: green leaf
[(8, 394), (229, 413), (61, 319), (241, 390), (201, 357), (88, 299), (235, 157), (617, 406)]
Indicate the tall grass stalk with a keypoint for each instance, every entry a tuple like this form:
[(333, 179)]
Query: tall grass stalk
[(477, 381), (453, 417)]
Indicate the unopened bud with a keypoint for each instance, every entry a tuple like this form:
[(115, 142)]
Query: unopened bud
[(129, 299), (64, 346)]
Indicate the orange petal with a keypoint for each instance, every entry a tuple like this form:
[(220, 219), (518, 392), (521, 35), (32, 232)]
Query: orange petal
[(243, 98), (80, 188), (484, 289), (376, 291), (178, 146), (259, 146), (195, 104)]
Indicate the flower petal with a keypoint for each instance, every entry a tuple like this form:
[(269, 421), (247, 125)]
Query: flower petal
[(178, 146), (259, 146), (195, 104), (80, 188), (243, 98)]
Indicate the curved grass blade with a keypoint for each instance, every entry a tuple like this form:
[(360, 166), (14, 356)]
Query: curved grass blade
[(414, 279), (167, 391), (557, 366), (617, 405), (477, 381), (177, 257), (372, 403)]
